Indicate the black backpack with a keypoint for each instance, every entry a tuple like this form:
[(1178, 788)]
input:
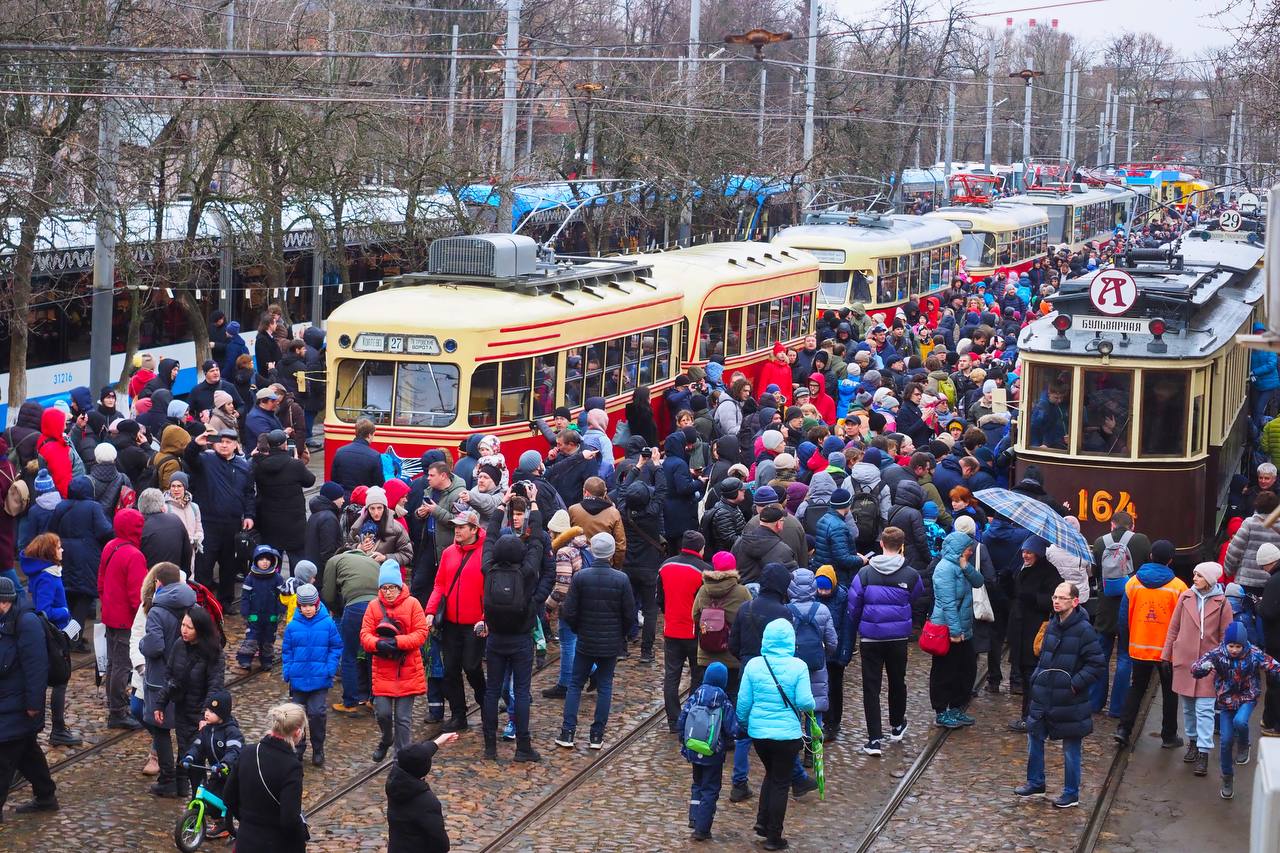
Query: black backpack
[(57, 646), (506, 602), (813, 513), (865, 510)]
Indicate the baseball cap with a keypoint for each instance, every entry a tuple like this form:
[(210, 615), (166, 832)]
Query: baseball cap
[(469, 517), (267, 394)]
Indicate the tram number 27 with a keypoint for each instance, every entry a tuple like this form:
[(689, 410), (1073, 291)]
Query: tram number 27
[(1101, 505)]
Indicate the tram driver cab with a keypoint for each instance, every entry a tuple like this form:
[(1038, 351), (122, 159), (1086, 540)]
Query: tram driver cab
[(1135, 389)]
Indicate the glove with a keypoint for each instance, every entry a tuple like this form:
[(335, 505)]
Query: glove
[(386, 647), (253, 617), (186, 762), (221, 769)]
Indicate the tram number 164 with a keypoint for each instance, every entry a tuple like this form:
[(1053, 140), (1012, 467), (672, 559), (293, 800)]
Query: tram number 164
[(1102, 505)]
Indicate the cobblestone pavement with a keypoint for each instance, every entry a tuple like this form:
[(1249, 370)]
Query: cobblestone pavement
[(965, 800), (640, 801)]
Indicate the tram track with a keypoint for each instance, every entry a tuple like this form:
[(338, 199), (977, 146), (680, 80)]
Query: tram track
[(1111, 784), (363, 778)]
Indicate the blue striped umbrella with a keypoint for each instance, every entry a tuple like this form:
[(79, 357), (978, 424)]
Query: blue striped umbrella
[(1038, 518)]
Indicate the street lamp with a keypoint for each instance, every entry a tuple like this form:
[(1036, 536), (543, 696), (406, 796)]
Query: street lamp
[(758, 38), (1026, 75), (590, 88)]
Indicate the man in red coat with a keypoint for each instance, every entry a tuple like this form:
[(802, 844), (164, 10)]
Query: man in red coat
[(679, 579), (120, 577), (457, 603)]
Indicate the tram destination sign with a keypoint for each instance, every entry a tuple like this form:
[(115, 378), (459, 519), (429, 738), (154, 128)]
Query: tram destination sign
[(1111, 324)]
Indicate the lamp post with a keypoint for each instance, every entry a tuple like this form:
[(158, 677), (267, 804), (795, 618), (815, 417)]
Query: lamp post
[(1026, 75)]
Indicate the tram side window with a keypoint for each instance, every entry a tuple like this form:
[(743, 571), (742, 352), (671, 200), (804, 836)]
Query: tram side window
[(646, 359), (482, 406), (364, 390), (613, 367), (890, 269), (544, 391), (1107, 415), (753, 322), (733, 332), (861, 287), (573, 377), (1051, 412), (426, 394), (594, 358), (711, 335), (664, 353), (775, 321), (631, 362), (1164, 413), (1058, 223), (516, 390), (806, 313)]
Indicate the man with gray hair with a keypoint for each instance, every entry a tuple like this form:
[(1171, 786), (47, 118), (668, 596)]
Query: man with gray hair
[(601, 610)]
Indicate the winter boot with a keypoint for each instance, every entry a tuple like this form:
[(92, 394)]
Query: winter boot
[(1191, 753), (152, 767), (525, 750), (490, 744), (1202, 764)]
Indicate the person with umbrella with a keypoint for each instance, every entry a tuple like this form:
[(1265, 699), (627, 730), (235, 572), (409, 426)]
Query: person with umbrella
[(1032, 611), (1070, 661)]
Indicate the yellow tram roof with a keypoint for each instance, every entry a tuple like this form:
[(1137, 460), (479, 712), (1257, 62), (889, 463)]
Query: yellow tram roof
[(674, 281), (1088, 196), (898, 234), (1000, 216)]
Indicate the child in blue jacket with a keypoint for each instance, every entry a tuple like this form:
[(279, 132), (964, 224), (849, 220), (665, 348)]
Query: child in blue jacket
[(311, 652), (262, 608), (708, 770)]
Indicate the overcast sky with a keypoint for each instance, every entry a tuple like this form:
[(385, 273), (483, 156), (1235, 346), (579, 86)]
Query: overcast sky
[(1189, 26)]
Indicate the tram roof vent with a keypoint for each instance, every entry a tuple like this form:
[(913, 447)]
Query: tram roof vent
[(483, 256)]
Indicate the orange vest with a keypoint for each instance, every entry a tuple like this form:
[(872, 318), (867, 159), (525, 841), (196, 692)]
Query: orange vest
[(1150, 612)]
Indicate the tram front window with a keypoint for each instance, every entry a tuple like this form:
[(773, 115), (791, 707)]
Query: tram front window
[(1051, 414), (364, 390), (1107, 412), (978, 248), (834, 286), (1164, 413), (426, 394)]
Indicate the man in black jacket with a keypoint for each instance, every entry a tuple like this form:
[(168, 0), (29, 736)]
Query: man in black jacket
[(223, 485), (22, 685), (642, 521), (164, 536), (357, 463), (724, 523), (132, 452), (763, 545), (511, 564), (570, 465), (324, 528), (201, 396), (280, 478), (601, 610)]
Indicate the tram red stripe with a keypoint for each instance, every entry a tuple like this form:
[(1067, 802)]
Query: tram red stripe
[(608, 313), (524, 340)]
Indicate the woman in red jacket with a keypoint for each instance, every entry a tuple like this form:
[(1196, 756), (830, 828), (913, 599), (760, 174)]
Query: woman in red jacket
[(121, 572), (776, 371), (393, 631)]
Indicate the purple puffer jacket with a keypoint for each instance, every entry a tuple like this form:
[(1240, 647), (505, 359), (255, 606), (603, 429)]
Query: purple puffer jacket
[(881, 596)]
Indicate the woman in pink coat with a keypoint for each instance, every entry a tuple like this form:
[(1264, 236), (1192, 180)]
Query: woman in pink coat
[(1200, 620)]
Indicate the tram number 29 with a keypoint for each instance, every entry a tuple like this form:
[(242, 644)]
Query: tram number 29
[(1102, 505)]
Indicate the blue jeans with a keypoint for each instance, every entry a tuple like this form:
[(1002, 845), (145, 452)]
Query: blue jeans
[(1234, 726), (1197, 720), (705, 792), (604, 691), (1120, 686), (508, 654), (1070, 763), (1261, 399), (568, 645), (356, 677), (316, 705)]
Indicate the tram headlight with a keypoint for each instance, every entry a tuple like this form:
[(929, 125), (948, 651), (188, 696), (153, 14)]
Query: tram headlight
[(1105, 347), (344, 341), (1062, 322), (1157, 327), (450, 345)]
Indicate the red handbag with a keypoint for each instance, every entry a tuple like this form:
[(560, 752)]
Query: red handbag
[(935, 639)]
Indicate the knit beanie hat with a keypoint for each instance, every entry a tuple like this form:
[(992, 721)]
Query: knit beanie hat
[(177, 409), (8, 592), (603, 546), (491, 471), (389, 573), (839, 498), (930, 510), (965, 524), (724, 561), (786, 462), (1162, 552), (1236, 634), (836, 459), (530, 460), (331, 491), (766, 495), (772, 440), (44, 482), (305, 571), (717, 675), (220, 704), (375, 495), (828, 574), (1268, 553), (1211, 572), (105, 453), (220, 399), (307, 594)]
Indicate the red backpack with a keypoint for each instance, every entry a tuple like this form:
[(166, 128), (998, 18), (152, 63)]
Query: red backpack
[(210, 603), (713, 628)]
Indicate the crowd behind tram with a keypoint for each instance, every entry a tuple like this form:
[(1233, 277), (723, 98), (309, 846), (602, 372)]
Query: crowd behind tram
[(779, 524)]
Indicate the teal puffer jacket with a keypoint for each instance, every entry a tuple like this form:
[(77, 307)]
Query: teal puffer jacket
[(760, 706)]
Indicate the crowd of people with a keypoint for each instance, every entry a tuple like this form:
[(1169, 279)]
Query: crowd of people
[(782, 524)]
